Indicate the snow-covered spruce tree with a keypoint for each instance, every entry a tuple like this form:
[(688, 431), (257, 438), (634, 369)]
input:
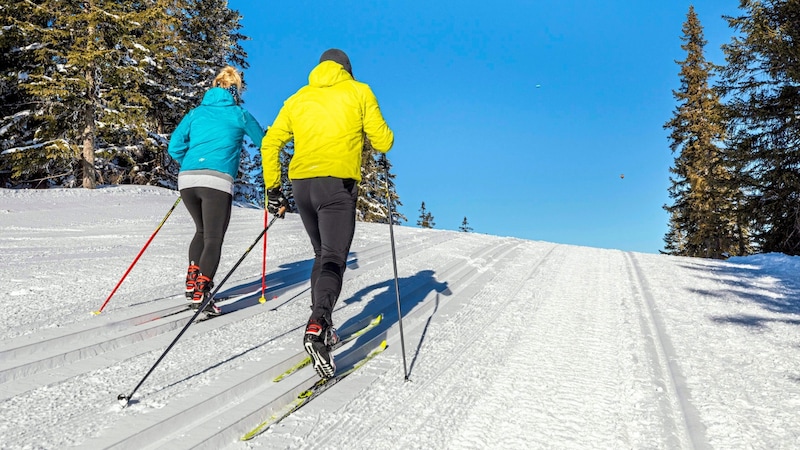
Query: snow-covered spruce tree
[(16, 120), (103, 82), (394, 197), (208, 39), (81, 73), (249, 184), (372, 194), (761, 87), (702, 216), (25, 151)]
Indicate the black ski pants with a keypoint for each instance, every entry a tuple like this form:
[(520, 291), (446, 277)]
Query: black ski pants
[(327, 207), (211, 211)]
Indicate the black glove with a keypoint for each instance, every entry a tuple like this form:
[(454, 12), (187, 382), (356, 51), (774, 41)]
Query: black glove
[(277, 202)]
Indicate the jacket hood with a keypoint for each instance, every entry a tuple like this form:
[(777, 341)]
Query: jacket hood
[(218, 97), (328, 73)]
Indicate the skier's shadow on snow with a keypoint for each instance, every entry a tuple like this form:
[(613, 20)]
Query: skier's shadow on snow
[(286, 275), (413, 290), (277, 282), (417, 287)]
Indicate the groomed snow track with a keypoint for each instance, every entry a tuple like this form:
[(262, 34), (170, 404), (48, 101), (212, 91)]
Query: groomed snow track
[(456, 307)]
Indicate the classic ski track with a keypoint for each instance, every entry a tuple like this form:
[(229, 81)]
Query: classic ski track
[(298, 311), (221, 429), (302, 433), (683, 425), (123, 319), (136, 358), (35, 359), (641, 366)]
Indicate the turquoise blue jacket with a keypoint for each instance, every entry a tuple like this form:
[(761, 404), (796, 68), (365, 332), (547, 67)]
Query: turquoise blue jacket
[(210, 136)]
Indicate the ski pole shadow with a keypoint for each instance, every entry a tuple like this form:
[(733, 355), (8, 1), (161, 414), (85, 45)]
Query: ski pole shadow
[(229, 359), (250, 292), (422, 336), (413, 290)]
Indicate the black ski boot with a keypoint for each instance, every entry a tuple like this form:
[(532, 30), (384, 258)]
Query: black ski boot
[(318, 340)]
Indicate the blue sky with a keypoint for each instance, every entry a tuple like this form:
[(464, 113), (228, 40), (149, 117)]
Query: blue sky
[(519, 115)]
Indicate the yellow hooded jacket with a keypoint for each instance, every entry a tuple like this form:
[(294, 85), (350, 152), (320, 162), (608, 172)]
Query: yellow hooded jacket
[(328, 119)]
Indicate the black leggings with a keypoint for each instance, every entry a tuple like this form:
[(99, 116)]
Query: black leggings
[(211, 211), (327, 207)]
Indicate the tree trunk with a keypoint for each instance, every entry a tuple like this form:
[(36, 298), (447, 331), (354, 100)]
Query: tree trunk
[(87, 159)]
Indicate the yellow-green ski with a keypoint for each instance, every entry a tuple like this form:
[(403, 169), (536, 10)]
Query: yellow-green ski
[(309, 394), (307, 360)]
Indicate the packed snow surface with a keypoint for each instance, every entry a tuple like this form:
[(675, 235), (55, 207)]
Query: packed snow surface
[(506, 343)]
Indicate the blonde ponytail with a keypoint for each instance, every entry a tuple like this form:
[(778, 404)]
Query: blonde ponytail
[(228, 77)]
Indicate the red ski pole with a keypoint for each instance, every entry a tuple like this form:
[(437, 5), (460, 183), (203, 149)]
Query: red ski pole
[(137, 256)]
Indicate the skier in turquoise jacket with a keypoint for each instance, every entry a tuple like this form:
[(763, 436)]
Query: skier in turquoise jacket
[(207, 144)]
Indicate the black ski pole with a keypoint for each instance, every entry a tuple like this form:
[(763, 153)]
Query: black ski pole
[(385, 164), (125, 399)]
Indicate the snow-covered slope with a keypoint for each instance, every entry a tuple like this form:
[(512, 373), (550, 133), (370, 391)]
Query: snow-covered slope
[(508, 343)]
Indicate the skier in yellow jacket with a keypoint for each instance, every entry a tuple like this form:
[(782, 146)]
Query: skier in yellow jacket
[(328, 120)]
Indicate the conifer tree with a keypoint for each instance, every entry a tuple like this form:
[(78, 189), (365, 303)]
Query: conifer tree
[(372, 194), (16, 115), (208, 39), (95, 87), (761, 83), (702, 218), (249, 184), (465, 226), (84, 83), (425, 218)]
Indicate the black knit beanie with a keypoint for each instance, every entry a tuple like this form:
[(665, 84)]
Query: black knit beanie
[(338, 56)]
